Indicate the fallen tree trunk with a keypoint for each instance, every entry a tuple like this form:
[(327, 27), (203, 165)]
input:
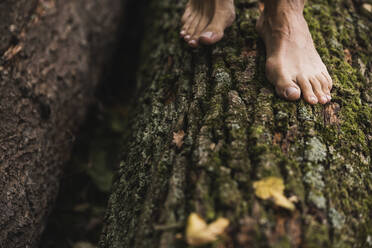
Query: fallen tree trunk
[(237, 131), (53, 54)]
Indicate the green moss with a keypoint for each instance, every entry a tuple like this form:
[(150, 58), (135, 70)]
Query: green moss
[(316, 234), (283, 242), (229, 194)]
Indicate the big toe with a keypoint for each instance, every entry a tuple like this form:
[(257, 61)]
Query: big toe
[(287, 89), (211, 36), (292, 93)]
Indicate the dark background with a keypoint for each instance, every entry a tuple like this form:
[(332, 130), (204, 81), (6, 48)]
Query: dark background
[(77, 218)]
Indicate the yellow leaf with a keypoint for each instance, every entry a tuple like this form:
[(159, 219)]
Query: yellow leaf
[(178, 138), (195, 224), (282, 201), (198, 232), (218, 226), (273, 187)]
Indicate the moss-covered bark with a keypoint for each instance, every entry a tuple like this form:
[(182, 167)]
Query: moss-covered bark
[(238, 131)]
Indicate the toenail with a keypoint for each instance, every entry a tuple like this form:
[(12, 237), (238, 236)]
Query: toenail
[(323, 99), (207, 35), (183, 32), (329, 97), (187, 37), (291, 91), (313, 99), (192, 42)]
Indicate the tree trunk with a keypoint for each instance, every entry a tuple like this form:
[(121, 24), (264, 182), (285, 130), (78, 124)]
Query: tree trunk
[(237, 131), (53, 52)]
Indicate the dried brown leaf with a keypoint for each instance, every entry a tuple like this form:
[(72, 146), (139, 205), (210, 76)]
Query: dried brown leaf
[(348, 57), (12, 51), (178, 138)]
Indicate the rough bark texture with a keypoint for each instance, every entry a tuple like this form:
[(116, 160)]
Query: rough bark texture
[(238, 131), (53, 52)]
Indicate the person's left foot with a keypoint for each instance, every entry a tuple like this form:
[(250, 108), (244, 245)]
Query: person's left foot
[(204, 21)]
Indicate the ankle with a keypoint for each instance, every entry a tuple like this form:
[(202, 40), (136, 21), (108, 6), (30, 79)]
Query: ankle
[(283, 18), (277, 7)]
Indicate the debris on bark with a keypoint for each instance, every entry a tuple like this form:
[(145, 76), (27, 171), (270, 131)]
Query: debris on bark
[(273, 188), (178, 138), (198, 232)]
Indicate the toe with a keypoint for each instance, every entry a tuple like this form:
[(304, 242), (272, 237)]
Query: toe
[(292, 93), (186, 14), (317, 88), (193, 43), (324, 85), (191, 30), (287, 89), (211, 35), (307, 89), (329, 79), (185, 31), (199, 29)]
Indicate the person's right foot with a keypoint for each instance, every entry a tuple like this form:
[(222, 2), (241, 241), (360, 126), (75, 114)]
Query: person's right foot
[(205, 20), (292, 63)]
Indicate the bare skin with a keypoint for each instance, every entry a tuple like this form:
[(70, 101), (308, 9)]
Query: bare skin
[(204, 21), (293, 65)]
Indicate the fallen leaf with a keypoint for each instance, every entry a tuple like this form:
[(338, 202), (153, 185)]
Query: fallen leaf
[(195, 224), (348, 57), (282, 201), (293, 199), (273, 187), (198, 232), (218, 226), (178, 138)]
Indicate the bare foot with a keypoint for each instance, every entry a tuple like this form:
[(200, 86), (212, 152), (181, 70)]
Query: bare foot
[(204, 21), (292, 65)]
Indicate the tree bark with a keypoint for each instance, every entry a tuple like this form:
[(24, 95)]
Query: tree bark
[(238, 131), (53, 55)]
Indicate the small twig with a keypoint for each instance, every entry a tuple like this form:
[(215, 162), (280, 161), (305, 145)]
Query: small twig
[(168, 226)]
